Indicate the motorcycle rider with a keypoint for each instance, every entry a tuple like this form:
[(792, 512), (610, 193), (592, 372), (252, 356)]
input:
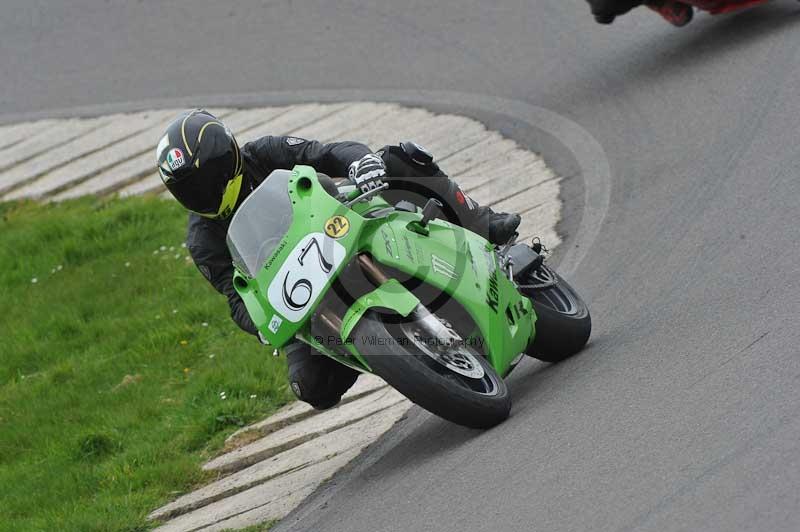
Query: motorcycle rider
[(204, 168), (675, 12)]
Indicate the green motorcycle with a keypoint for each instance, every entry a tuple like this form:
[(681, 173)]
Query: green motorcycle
[(438, 312)]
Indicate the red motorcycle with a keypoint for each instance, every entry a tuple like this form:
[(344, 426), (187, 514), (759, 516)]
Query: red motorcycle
[(679, 12), (717, 7)]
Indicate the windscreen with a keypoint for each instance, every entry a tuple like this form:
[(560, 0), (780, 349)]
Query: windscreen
[(260, 223)]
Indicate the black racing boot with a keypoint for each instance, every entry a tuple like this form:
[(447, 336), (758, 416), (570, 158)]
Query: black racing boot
[(496, 227), (502, 227), (414, 176)]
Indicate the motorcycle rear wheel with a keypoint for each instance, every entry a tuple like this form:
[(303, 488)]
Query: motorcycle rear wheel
[(458, 385)]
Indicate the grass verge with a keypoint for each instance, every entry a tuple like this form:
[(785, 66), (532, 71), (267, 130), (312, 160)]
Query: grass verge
[(120, 370)]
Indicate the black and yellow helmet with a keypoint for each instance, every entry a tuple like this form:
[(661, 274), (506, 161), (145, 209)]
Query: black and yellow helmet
[(200, 163)]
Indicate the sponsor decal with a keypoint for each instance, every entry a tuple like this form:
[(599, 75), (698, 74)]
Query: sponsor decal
[(463, 199), (337, 226), (515, 313), (442, 267), (387, 242), (492, 292), (275, 323), (294, 141), (175, 159), (409, 253), (275, 254)]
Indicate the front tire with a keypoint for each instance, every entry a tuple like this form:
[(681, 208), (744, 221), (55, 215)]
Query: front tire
[(563, 324), (407, 364)]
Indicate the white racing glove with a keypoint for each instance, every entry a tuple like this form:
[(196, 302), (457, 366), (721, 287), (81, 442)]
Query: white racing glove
[(368, 172)]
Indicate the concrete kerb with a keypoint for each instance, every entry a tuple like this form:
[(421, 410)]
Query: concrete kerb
[(298, 411)]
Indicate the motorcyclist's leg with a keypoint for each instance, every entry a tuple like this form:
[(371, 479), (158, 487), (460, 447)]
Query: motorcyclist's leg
[(676, 13), (605, 11), (316, 379), (412, 175)]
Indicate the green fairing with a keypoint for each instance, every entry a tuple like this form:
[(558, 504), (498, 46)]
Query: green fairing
[(464, 266), (456, 261), (390, 295)]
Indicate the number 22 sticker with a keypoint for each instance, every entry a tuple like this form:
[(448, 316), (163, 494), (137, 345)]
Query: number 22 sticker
[(337, 226), (304, 276)]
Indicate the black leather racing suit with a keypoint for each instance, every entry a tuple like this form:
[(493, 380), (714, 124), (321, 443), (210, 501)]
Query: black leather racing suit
[(319, 380)]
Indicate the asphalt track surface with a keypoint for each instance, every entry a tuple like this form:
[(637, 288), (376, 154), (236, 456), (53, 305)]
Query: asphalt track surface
[(682, 413)]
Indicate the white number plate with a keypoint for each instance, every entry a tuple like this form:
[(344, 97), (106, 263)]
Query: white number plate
[(303, 277)]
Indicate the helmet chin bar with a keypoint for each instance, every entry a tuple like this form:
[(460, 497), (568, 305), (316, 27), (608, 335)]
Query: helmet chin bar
[(229, 200)]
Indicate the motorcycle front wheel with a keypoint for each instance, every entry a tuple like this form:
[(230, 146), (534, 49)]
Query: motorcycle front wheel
[(448, 379)]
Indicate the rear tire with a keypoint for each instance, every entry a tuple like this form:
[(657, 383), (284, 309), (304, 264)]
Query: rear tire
[(476, 403), (563, 324)]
